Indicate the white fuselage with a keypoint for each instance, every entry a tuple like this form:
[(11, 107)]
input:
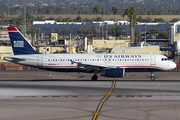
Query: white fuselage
[(63, 62)]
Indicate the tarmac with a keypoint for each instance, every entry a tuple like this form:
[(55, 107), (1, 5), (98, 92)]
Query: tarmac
[(45, 95)]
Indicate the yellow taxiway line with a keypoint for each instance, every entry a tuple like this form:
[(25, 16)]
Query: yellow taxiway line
[(103, 100)]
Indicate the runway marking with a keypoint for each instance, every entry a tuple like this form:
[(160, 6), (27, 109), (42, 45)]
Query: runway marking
[(24, 96), (85, 96), (134, 95), (103, 100), (72, 117), (11, 73)]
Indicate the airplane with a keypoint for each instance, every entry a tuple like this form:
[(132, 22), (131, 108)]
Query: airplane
[(107, 64)]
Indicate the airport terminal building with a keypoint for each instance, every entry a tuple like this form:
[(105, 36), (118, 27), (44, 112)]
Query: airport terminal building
[(49, 26)]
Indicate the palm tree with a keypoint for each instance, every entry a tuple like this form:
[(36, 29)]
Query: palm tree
[(7, 12), (114, 11), (126, 13), (131, 13), (102, 13), (79, 19), (2, 18), (78, 13), (96, 10)]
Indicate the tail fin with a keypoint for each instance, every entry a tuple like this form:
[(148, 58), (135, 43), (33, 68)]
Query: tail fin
[(19, 43)]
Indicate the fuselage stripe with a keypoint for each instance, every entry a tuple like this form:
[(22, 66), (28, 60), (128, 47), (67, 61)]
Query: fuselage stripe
[(141, 67), (117, 66)]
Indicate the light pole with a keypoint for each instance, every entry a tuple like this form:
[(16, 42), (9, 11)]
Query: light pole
[(145, 35)]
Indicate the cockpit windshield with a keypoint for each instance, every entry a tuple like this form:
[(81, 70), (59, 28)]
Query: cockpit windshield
[(165, 59)]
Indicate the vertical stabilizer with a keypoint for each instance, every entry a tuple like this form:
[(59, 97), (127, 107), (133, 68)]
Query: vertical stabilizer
[(19, 43)]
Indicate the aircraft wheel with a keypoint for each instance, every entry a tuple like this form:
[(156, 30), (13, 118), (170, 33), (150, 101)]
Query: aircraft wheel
[(152, 78), (94, 77)]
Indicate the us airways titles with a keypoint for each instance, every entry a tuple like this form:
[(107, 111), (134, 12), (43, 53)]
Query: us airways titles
[(122, 56)]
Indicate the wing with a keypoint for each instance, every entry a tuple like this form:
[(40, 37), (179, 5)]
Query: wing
[(93, 66)]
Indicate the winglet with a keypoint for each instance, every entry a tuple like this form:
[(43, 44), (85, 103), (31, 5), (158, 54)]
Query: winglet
[(19, 43)]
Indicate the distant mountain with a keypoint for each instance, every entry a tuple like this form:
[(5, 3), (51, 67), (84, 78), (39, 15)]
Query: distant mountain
[(86, 2), (144, 7)]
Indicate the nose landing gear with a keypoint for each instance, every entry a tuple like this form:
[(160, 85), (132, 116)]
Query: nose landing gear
[(152, 76)]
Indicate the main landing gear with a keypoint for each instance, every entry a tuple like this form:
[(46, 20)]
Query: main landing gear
[(152, 76), (94, 77)]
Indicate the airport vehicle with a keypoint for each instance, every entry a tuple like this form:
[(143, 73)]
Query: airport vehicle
[(107, 64)]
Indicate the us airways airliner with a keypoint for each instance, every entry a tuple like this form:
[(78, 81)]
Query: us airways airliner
[(107, 64)]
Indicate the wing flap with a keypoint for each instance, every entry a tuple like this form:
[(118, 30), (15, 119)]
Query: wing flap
[(92, 66)]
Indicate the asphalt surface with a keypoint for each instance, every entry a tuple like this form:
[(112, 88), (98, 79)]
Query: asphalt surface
[(44, 95)]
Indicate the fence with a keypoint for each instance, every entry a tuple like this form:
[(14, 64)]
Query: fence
[(8, 66)]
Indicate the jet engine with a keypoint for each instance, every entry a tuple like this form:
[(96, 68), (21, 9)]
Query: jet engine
[(114, 72)]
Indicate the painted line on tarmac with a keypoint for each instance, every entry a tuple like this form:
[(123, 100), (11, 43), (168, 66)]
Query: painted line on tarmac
[(135, 75), (134, 95), (46, 96), (103, 100), (85, 96), (25, 96)]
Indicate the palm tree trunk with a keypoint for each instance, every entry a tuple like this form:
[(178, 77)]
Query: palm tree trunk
[(114, 26), (132, 30), (96, 25), (127, 29)]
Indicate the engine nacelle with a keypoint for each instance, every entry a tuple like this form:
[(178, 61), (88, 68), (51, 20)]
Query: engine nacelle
[(114, 72)]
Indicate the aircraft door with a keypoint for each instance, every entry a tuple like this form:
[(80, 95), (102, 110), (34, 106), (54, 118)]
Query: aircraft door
[(153, 60), (39, 60)]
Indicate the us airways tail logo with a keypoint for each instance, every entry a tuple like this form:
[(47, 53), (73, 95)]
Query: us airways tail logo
[(18, 43), (122, 56)]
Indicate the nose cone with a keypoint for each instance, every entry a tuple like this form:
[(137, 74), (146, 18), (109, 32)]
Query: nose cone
[(173, 65)]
